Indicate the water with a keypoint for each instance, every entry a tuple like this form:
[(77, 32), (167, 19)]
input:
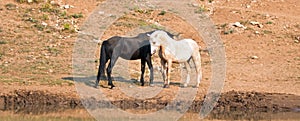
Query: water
[(81, 114)]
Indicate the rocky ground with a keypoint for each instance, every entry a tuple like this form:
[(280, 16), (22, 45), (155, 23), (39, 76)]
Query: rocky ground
[(261, 39)]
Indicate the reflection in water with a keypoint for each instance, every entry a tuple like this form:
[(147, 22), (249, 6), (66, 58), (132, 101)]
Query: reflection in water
[(240, 115), (80, 114), (66, 115)]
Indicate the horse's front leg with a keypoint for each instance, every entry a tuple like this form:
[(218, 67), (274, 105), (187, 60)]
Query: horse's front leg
[(143, 64), (163, 71), (168, 70), (149, 63), (188, 67)]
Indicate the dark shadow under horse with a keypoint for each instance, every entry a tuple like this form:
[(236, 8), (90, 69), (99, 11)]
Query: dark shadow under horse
[(127, 48)]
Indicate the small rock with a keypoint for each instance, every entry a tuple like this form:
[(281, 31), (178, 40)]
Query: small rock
[(254, 57), (234, 11), (101, 12), (52, 2), (195, 5), (238, 24), (267, 15), (67, 6), (29, 1), (297, 38), (257, 32), (296, 41), (256, 23), (44, 24)]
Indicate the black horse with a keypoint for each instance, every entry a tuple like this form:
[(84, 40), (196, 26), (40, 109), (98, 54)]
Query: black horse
[(127, 48)]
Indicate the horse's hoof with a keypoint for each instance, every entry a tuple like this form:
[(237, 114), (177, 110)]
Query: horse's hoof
[(185, 85), (151, 85), (96, 86), (142, 84), (112, 86), (166, 86)]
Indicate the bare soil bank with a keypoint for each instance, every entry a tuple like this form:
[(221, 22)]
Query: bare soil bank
[(42, 101)]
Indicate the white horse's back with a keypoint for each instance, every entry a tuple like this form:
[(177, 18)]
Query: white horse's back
[(193, 44), (185, 49)]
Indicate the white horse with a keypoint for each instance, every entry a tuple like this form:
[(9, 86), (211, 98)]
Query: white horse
[(175, 51)]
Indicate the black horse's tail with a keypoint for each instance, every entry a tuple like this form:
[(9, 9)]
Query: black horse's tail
[(103, 60)]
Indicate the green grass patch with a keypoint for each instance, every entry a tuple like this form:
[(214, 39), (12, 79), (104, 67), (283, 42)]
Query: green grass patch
[(53, 51), (224, 25), (56, 82), (22, 1), (154, 26), (9, 79), (267, 32), (10, 6), (40, 27), (2, 42), (63, 15), (47, 7), (125, 24), (269, 22), (229, 32), (77, 15), (32, 20), (138, 10), (66, 26), (244, 22), (162, 13), (141, 11), (33, 1), (142, 23), (44, 17), (201, 9)]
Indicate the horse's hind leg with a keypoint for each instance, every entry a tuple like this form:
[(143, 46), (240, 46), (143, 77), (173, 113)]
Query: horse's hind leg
[(143, 64), (109, 70), (188, 78), (101, 71), (197, 61)]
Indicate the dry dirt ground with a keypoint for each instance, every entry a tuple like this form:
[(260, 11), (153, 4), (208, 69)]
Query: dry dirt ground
[(37, 39)]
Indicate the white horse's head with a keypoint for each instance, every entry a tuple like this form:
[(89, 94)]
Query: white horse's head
[(157, 39)]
